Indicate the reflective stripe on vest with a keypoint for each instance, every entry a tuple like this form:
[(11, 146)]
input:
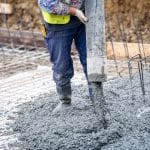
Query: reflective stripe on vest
[(55, 19)]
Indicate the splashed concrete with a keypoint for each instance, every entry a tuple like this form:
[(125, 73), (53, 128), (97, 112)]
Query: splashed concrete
[(28, 122)]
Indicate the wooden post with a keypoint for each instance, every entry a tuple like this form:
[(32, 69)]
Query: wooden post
[(96, 55), (6, 8)]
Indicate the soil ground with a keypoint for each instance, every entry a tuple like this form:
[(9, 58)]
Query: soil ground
[(133, 15)]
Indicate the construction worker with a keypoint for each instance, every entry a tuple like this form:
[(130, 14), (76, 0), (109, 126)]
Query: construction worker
[(64, 22)]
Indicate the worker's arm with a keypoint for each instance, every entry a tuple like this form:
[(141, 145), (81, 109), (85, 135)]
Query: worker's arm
[(54, 7), (59, 8)]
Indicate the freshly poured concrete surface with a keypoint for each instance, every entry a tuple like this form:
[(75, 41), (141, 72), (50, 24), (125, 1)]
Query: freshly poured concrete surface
[(27, 121)]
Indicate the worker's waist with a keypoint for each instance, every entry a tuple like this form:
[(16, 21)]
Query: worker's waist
[(74, 22), (55, 19)]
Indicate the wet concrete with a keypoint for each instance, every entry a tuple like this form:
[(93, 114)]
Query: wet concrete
[(27, 122), (77, 127)]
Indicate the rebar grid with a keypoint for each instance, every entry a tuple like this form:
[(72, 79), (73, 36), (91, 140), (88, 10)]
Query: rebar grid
[(24, 50)]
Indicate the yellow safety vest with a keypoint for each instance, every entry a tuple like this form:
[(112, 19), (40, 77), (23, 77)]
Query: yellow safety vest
[(55, 19)]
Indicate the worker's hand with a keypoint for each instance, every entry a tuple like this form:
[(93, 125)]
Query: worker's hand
[(79, 14)]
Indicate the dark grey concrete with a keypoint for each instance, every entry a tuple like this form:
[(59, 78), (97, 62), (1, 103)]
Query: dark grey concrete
[(77, 127)]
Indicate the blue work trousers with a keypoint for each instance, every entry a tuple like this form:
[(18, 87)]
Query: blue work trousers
[(59, 46)]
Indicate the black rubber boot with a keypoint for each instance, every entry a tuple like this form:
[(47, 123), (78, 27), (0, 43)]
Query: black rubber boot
[(64, 94)]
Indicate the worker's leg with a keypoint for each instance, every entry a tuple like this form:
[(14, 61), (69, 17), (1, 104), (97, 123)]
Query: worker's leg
[(80, 42), (59, 46)]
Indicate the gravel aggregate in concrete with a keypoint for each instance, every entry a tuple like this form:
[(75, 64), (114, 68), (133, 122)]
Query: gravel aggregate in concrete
[(29, 124)]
